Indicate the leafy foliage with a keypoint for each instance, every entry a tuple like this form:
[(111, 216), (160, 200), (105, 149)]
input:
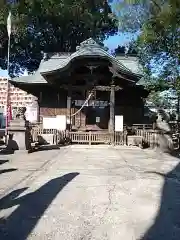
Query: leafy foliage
[(162, 100), (158, 44), (129, 50), (51, 26)]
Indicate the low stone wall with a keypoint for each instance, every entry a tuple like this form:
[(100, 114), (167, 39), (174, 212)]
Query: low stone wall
[(157, 138)]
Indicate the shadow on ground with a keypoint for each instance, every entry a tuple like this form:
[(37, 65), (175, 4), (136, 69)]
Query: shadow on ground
[(11, 147), (7, 170), (30, 208), (6, 151), (166, 225), (44, 148), (3, 161)]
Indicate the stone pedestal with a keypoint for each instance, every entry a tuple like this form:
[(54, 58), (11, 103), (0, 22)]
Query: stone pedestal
[(19, 133), (165, 143), (135, 141)]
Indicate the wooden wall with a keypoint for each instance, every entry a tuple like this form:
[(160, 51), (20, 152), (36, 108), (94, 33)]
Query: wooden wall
[(53, 102), (130, 105)]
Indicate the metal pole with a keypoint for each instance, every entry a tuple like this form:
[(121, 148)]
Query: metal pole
[(7, 91)]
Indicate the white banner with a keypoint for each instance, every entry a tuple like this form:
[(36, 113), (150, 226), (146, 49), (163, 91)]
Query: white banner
[(58, 122), (49, 122), (91, 103), (9, 24)]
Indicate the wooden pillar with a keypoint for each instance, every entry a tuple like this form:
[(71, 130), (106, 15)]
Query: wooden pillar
[(36, 104), (69, 99), (38, 111), (112, 110), (39, 101)]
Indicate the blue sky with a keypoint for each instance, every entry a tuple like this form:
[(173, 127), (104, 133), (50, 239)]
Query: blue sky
[(3, 73), (119, 39)]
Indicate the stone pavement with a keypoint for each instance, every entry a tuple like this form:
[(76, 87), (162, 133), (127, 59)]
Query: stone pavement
[(86, 192)]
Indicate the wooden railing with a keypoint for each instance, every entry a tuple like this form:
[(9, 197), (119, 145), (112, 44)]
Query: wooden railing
[(142, 126), (152, 137), (38, 131), (98, 138), (118, 138)]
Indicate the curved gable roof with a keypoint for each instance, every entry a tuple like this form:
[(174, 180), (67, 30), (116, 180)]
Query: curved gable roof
[(88, 48), (131, 62), (61, 61)]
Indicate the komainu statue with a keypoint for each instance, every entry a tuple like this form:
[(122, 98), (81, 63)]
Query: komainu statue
[(21, 113)]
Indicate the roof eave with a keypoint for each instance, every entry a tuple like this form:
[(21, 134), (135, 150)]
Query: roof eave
[(116, 64), (30, 79), (26, 83)]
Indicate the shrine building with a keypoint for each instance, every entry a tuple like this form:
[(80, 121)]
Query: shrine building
[(90, 87)]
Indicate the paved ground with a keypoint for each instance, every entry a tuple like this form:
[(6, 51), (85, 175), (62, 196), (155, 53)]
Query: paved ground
[(89, 193)]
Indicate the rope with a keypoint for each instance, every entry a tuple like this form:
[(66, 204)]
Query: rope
[(82, 105)]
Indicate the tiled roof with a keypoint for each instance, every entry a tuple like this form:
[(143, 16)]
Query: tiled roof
[(88, 48), (35, 78), (131, 63), (52, 62)]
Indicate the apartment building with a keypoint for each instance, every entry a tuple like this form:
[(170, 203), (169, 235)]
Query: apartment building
[(18, 98)]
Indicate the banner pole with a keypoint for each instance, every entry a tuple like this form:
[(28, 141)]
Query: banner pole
[(8, 66)]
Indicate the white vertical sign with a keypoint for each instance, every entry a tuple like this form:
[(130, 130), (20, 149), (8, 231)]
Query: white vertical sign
[(119, 123), (61, 122)]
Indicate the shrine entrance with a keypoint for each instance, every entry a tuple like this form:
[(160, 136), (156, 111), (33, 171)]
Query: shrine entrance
[(97, 117), (91, 116)]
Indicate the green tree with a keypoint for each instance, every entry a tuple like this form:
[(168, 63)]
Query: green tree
[(157, 23), (128, 50), (157, 26), (51, 26)]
